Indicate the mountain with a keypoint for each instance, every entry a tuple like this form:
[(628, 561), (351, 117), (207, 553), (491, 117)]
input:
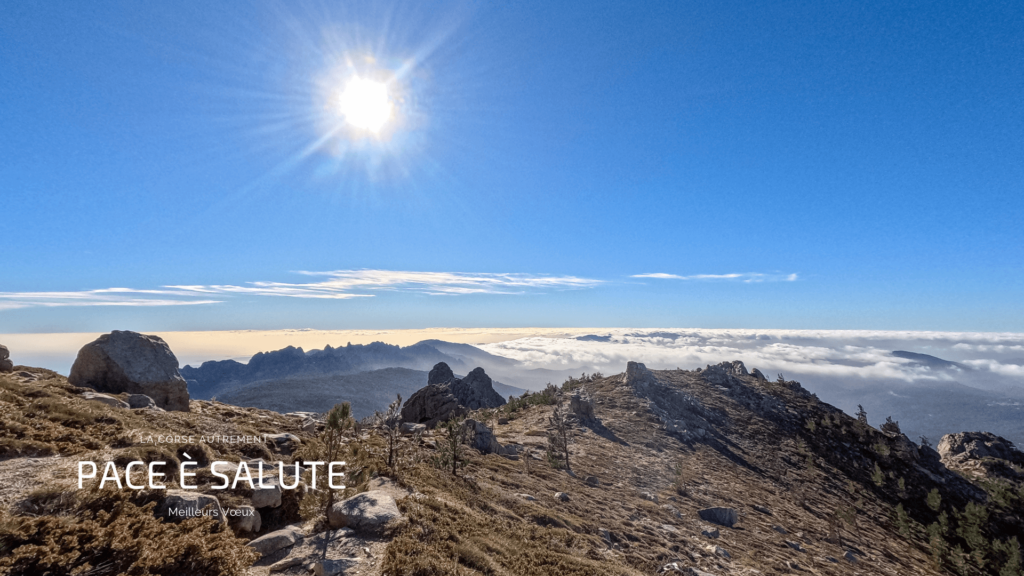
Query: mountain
[(928, 360), (709, 471), (366, 391), (217, 377)]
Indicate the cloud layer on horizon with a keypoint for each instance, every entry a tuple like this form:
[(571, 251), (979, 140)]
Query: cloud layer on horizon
[(987, 360)]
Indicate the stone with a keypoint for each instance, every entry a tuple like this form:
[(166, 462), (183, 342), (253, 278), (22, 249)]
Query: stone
[(5, 360), (366, 512), (722, 516), (561, 496), (269, 497), (780, 529), (308, 425), (963, 446), (719, 551), (286, 563), (105, 399), (527, 497), (502, 421), (482, 437), (582, 406), (446, 396), (130, 362), (850, 557), (649, 497), (762, 510), (285, 443), (669, 528), (244, 519), (636, 373), (180, 504), (333, 567), (592, 481), (141, 401), (710, 532), (409, 429), (274, 541), (794, 546)]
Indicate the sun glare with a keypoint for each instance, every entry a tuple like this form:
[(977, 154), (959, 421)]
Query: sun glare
[(365, 104)]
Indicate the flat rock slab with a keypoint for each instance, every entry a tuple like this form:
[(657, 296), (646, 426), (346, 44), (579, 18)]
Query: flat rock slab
[(366, 512), (105, 399), (274, 541), (333, 567), (722, 516)]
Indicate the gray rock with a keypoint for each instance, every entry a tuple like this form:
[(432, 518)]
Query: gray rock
[(502, 421), (762, 509), (269, 497), (779, 529), (561, 496), (722, 516), (5, 363), (286, 563), (482, 437), (850, 557), (408, 428), (592, 481), (963, 446), (180, 504), (141, 401), (719, 551), (125, 361), (285, 443), (274, 541), (333, 567), (582, 406), (710, 532), (636, 373), (244, 519), (105, 399), (366, 512), (308, 425), (794, 545), (649, 497), (446, 396), (527, 497)]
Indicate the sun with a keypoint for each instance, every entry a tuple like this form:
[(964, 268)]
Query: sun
[(365, 104)]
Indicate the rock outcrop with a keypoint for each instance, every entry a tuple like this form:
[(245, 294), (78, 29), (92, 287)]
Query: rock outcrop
[(130, 362), (977, 445), (274, 541), (582, 405), (722, 516), (104, 399), (5, 360), (366, 512), (446, 396)]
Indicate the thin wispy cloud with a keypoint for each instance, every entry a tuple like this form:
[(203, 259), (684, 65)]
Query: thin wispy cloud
[(335, 285), (341, 284), (101, 297), (748, 277)]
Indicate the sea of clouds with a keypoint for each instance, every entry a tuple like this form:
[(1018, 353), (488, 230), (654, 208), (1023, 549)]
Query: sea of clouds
[(980, 387), (987, 360)]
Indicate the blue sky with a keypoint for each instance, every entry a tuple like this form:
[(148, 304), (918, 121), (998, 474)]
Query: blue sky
[(779, 165)]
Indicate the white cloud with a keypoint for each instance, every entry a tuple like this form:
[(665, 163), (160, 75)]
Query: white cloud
[(748, 277), (356, 283), (816, 354), (101, 297)]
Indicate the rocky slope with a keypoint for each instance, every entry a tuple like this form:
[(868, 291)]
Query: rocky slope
[(711, 471)]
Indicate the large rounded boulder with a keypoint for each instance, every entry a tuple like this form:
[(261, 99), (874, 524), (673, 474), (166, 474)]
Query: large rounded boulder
[(5, 360), (135, 363)]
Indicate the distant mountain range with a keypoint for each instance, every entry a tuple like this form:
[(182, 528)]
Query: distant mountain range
[(369, 376)]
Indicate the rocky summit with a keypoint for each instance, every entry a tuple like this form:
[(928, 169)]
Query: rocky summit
[(716, 470), (130, 362), (446, 396)]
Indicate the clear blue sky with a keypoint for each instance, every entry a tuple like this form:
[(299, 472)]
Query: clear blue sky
[(875, 151)]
